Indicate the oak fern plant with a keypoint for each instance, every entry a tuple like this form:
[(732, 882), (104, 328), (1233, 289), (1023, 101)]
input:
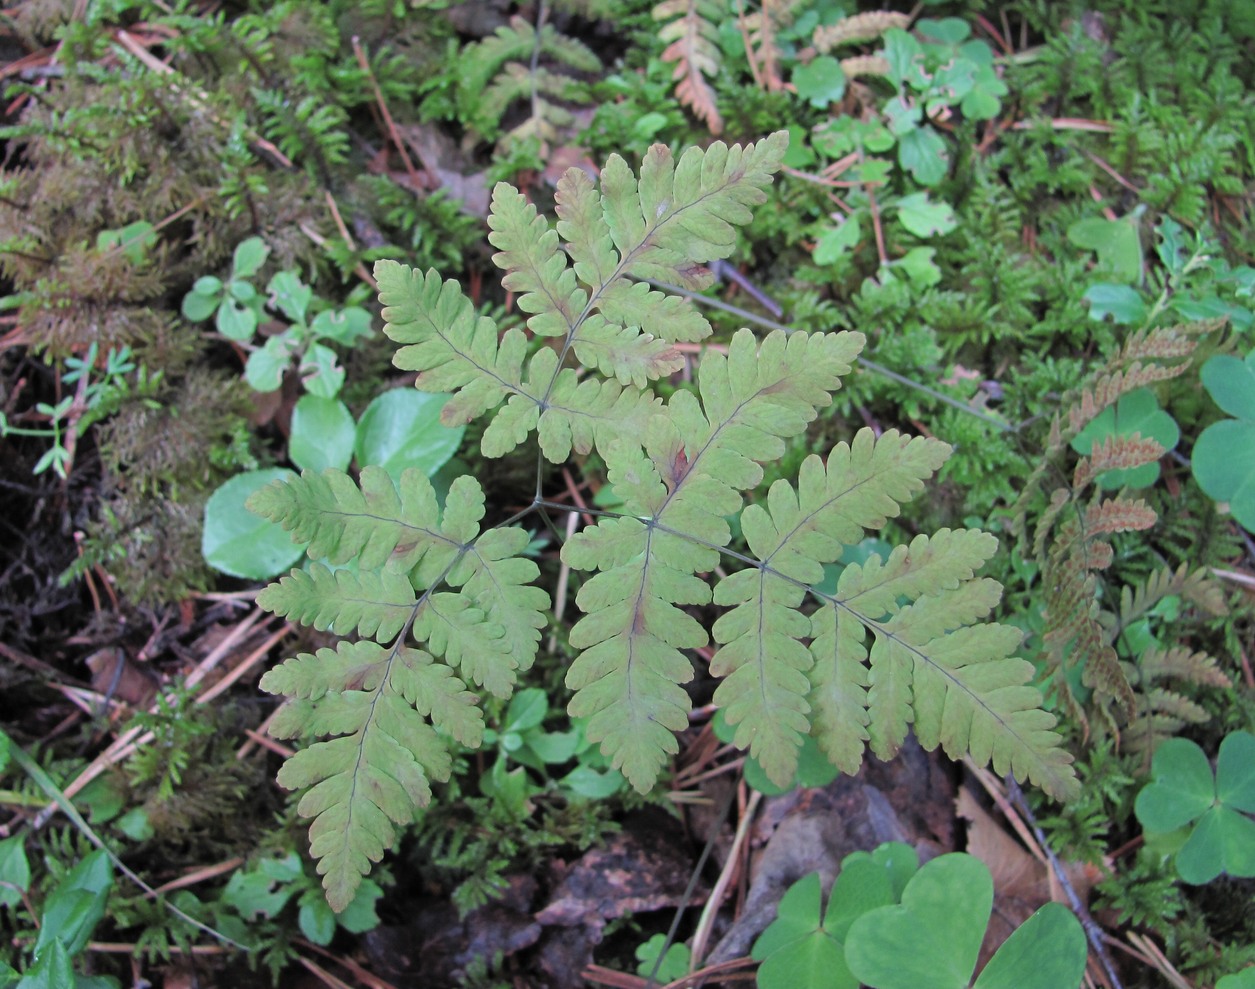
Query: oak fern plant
[(442, 609)]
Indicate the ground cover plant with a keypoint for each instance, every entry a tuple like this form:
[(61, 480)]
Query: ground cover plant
[(804, 390)]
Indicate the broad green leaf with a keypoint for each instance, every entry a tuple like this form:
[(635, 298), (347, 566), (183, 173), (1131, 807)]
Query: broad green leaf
[(1122, 303), (933, 937), (1047, 951), (266, 366), (1136, 413), (135, 239), (402, 428), (1116, 243), (345, 326), (235, 320), (820, 82), (1223, 462), (1182, 788), (53, 967), (1223, 841), (1231, 382), (249, 256), (76, 905), (198, 306), (1239, 980), (925, 218), (15, 872), (527, 710), (923, 153), (837, 242), (906, 59), (323, 433), (1235, 771), (316, 919), (239, 543), (321, 373), (674, 964), (796, 950), (290, 295)]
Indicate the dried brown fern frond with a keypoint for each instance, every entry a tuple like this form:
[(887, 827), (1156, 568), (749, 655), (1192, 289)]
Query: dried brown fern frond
[(860, 28), (692, 33)]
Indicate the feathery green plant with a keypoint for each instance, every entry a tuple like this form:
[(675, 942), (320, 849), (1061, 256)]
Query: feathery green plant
[(400, 696)]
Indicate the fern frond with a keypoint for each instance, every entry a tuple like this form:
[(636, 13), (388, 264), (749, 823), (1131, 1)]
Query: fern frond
[(497, 71), (763, 659), (363, 784), (1115, 453), (693, 45), (695, 463), (1181, 663), (761, 46), (451, 347), (379, 698), (678, 216), (377, 605), (957, 682), (377, 522)]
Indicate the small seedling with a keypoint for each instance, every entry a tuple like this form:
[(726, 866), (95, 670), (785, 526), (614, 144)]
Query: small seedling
[(235, 305), (1224, 456), (1206, 812)]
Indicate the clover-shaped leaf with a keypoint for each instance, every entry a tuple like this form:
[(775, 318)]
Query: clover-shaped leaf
[(1137, 413), (1183, 792), (933, 937), (1224, 456)]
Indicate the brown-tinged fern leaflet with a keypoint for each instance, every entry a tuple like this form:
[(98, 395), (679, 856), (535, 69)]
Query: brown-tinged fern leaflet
[(441, 608)]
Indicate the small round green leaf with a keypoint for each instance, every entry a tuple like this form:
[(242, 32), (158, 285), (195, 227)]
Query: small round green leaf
[(239, 543), (323, 432), (1121, 302), (1223, 462), (236, 321), (933, 937), (265, 366), (290, 295), (923, 153), (321, 372), (249, 256), (1117, 244), (820, 82), (925, 218), (242, 292), (1182, 788), (402, 428), (344, 326), (198, 306), (1047, 951), (1231, 382)]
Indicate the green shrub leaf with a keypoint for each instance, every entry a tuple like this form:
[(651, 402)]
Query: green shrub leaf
[(239, 543), (323, 433), (403, 428)]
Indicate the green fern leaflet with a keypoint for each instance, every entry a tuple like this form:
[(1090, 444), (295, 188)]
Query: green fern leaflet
[(440, 608)]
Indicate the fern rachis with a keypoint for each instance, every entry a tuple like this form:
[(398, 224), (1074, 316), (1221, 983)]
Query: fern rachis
[(451, 608)]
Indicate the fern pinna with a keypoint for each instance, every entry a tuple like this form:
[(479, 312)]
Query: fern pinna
[(440, 608)]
